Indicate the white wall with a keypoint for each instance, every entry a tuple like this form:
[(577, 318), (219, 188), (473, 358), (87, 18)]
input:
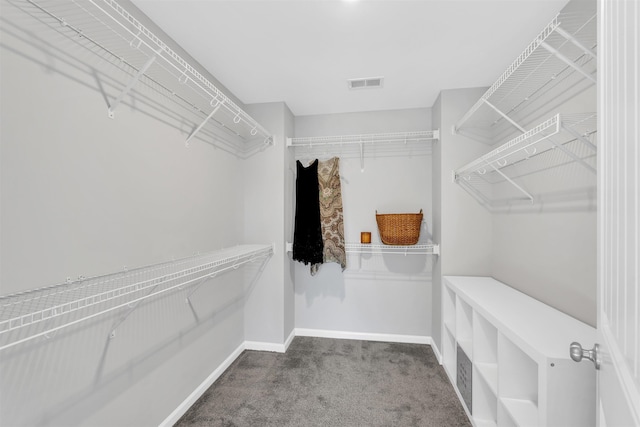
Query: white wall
[(378, 294), (267, 218), (463, 227), (548, 249), (83, 194)]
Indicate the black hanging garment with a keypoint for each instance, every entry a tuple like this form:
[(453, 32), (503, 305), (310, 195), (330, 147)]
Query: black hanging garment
[(307, 234)]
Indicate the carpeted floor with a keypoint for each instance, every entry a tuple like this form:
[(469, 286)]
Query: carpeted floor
[(329, 382)]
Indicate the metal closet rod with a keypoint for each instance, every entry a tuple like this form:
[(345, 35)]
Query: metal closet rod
[(40, 307)]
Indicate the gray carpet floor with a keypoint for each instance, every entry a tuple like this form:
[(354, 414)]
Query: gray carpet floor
[(329, 382)]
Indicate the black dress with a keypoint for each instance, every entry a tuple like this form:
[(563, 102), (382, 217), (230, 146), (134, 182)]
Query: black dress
[(307, 234)]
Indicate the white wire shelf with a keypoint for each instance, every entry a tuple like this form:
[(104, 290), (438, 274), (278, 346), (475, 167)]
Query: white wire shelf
[(380, 138), (377, 144), (499, 176), (117, 38), (371, 248), (558, 64), (41, 312), (419, 249)]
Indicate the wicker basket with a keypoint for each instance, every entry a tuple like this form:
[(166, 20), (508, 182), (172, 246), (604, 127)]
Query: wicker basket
[(399, 229)]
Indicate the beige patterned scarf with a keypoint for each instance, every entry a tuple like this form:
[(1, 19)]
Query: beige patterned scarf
[(331, 216)]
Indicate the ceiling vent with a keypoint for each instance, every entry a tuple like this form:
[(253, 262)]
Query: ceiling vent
[(368, 83)]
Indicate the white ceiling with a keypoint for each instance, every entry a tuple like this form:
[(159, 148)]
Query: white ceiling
[(303, 51)]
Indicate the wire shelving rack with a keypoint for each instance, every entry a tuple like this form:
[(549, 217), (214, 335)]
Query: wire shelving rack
[(41, 312), (384, 144), (497, 177), (373, 248), (119, 39), (558, 64)]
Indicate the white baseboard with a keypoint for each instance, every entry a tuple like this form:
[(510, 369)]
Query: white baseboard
[(199, 391), (436, 351), (287, 343), (321, 333), (264, 346)]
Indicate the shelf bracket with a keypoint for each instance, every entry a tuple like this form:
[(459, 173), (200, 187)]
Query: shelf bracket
[(130, 86), (522, 190), (567, 61), (132, 308), (573, 156), (204, 122), (504, 116), (575, 41), (198, 284), (361, 156), (581, 138)]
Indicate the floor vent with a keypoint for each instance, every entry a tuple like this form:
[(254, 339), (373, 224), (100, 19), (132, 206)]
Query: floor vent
[(368, 83)]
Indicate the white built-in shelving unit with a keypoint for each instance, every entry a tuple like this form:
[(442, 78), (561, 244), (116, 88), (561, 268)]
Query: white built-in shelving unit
[(521, 373), (558, 64), (41, 312), (120, 44)]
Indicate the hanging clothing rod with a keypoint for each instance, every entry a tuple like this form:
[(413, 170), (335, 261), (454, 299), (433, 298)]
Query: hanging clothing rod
[(41, 312), (571, 134), (129, 45), (395, 137)]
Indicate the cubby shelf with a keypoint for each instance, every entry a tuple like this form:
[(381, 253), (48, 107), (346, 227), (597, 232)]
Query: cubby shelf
[(523, 412), (43, 311), (522, 374), (489, 372), (559, 63), (121, 43)]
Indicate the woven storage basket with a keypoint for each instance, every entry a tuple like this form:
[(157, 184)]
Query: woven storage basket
[(399, 229)]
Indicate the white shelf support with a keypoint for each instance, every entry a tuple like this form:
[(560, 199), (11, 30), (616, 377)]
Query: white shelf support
[(573, 156), (204, 122), (568, 61), (510, 181), (581, 138), (504, 116), (576, 42), (129, 86)]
